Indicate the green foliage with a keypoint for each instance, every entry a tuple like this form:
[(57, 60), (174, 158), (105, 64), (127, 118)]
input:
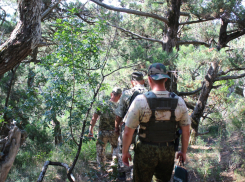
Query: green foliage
[(71, 73)]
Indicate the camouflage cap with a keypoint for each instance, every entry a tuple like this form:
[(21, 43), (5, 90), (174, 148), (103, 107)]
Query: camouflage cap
[(157, 71), (136, 75), (117, 90)]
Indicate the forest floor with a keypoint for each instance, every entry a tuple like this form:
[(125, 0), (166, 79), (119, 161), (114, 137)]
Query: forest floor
[(211, 161), (217, 157)]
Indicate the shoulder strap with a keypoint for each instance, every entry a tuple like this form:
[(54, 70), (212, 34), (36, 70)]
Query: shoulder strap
[(131, 100), (155, 103), (133, 97)]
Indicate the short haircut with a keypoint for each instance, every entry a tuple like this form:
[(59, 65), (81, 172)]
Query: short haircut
[(137, 76), (115, 93)]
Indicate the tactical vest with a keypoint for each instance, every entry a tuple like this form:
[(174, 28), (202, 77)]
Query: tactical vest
[(160, 131)]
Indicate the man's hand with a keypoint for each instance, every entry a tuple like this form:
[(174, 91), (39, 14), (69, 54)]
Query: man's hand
[(181, 156), (125, 158), (117, 131), (91, 133)]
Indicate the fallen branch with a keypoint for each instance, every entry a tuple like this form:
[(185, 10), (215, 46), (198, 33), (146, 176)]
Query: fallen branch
[(45, 167)]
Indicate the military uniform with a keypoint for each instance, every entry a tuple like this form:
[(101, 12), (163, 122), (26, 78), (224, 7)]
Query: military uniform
[(106, 133), (158, 121), (121, 111), (147, 157)]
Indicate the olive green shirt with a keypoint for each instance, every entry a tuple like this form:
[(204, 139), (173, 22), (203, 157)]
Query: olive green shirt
[(106, 110)]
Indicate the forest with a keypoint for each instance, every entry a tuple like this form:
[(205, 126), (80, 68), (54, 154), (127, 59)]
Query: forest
[(59, 58)]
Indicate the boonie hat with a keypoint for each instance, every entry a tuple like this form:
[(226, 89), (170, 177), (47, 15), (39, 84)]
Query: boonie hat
[(136, 75), (117, 90), (157, 71)]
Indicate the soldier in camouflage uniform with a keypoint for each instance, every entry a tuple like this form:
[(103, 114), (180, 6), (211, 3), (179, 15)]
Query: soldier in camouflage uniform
[(106, 111), (137, 82), (155, 112)]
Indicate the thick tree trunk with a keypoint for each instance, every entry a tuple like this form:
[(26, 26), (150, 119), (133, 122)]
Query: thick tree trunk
[(10, 151), (173, 26), (25, 37), (201, 103)]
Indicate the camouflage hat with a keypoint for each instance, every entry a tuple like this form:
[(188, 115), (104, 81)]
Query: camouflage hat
[(117, 90), (137, 76), (157, 71)]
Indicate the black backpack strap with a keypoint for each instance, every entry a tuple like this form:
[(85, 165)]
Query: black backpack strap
[(148, 96), (131, 100), (133, 97)]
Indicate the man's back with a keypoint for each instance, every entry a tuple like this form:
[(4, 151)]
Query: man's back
[(107, 114), (140, 109), (124, 101)]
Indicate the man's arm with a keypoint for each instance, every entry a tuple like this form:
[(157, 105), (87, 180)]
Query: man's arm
[(127, 139), (92, 123), (185, 141), (117, 123)]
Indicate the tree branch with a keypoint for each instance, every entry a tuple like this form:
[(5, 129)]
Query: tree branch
[(197, 21), (189, 93), (235, 35), (73, 136), (24, 38), (229, 70), (47, 11), (229, 77), (189, 105), (45, 167), (129, 11), (141, 37), (193, 42), (184, 14), (122, 68), (79, 16)]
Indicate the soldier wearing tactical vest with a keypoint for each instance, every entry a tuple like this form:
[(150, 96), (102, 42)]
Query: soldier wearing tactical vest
[(137, 82), (159, 114), (106, 111)]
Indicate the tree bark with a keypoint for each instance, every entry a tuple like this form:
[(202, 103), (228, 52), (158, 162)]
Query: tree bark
[(201, 103), (25, 37), (57, 130), (173, 25), (10, 151), (224, 37)]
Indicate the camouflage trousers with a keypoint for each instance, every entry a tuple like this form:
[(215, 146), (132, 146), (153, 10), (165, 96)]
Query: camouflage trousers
[(121, 166), (105, 136), (152, 160)]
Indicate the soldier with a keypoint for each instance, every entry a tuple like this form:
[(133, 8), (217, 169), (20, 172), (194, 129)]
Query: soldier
[(158, 114), (106, 111), (137, 82)]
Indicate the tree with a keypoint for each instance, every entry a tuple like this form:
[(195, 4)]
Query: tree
[(173, 20), (25, 38)]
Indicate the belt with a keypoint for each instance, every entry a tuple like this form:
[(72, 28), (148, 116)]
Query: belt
[(160, 144)]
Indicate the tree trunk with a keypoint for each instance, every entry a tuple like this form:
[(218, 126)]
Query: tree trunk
[(25, 37), (173, 26), (57, 131), (10, 151), (201, 103)]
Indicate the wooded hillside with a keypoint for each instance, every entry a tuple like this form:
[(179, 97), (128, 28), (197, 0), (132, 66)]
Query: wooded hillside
[(59, 58)]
